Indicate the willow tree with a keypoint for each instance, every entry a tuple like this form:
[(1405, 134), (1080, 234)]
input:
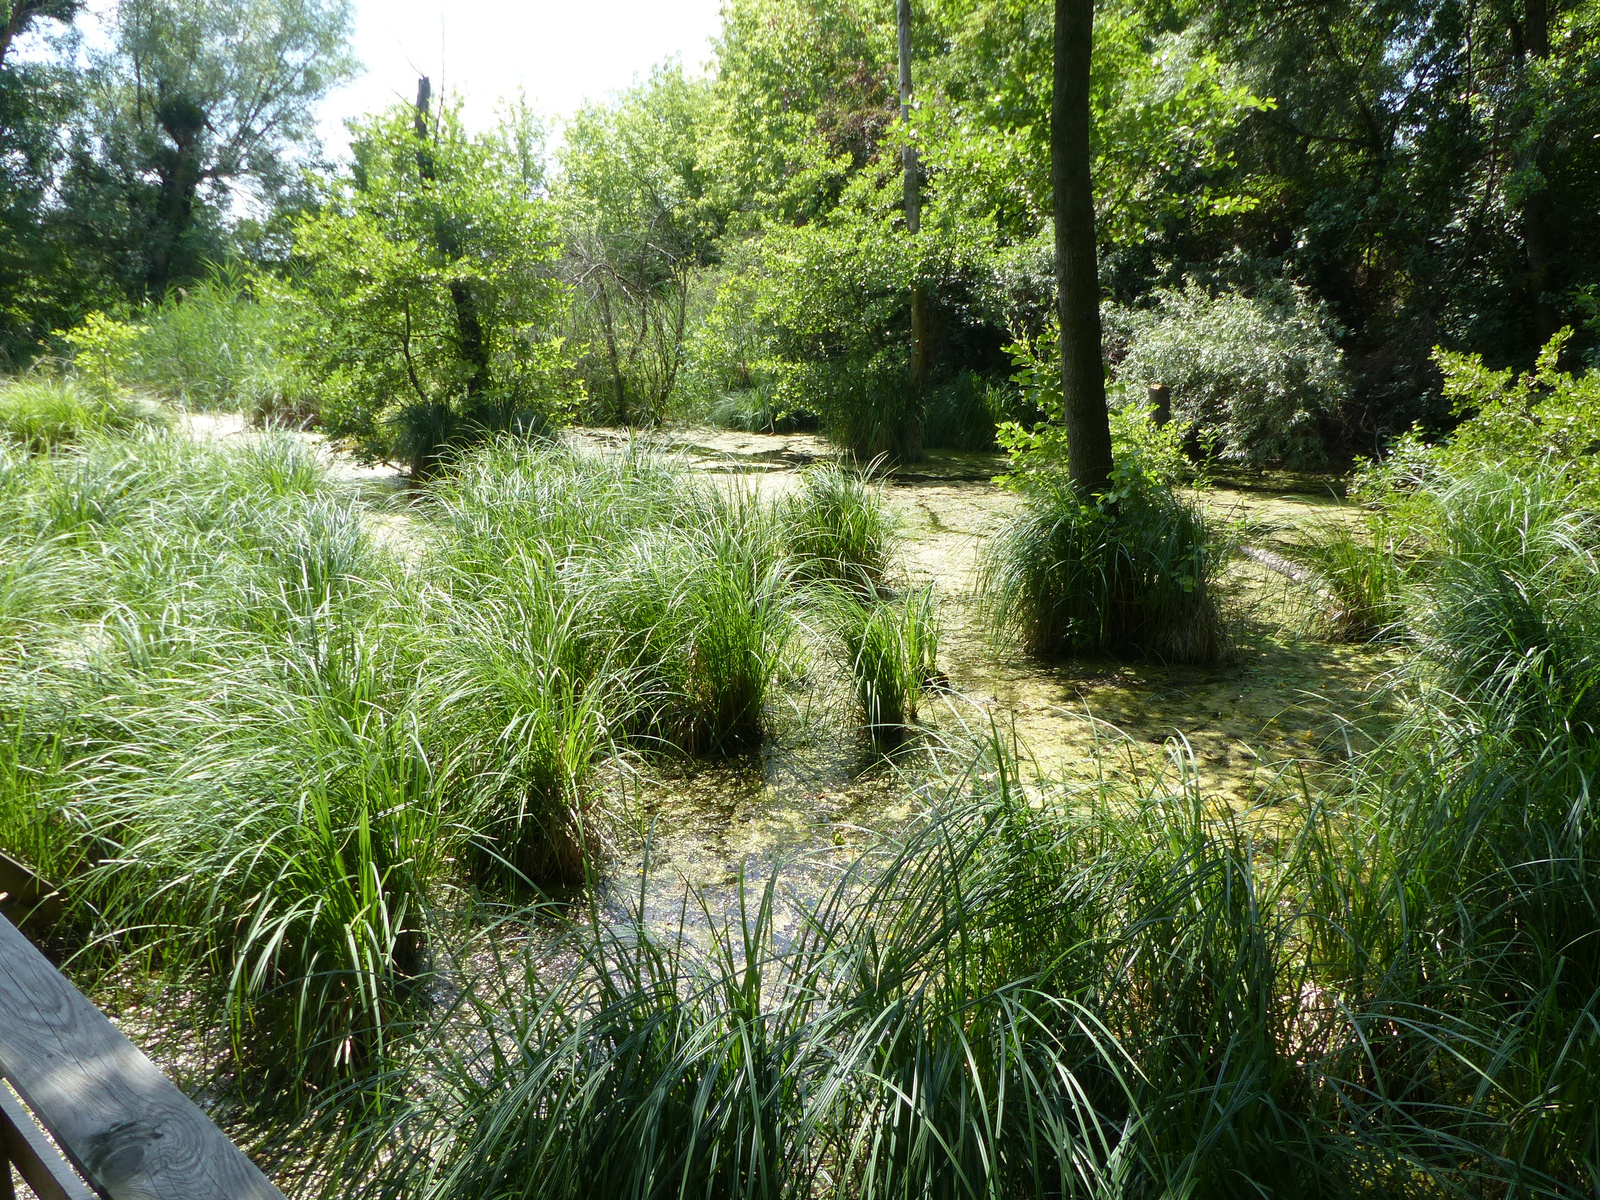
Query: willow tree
[(1083, 382)]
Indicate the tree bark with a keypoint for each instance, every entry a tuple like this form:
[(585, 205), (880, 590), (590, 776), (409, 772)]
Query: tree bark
[(1083, 381), (913, 201), (183, 121)]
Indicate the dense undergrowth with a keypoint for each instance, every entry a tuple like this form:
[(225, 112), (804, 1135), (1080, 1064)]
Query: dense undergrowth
[(262, 751), (310, 777)]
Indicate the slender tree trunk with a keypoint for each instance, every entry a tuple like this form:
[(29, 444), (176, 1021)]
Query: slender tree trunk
[(619, 387), (183, 121), (913, 201), (1083, 381)]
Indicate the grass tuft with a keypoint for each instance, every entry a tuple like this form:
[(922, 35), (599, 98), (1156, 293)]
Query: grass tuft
[(837, 527), (1071, 577), (42, 412), (891, 648)]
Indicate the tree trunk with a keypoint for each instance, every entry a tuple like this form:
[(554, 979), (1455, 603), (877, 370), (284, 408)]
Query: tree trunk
[(1083, 381), (913, 201), (183, 121)]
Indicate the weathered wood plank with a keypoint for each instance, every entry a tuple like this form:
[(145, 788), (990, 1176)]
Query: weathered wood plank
[(123, 1123), (45, 1171)]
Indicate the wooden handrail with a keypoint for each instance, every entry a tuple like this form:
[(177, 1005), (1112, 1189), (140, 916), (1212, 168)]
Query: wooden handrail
[(128, 1131)]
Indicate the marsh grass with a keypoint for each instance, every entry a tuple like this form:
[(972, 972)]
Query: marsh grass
[(266, 757), (41, 411), (890, 649), (1135, 576), (1112, 989), (837, 527), (1102, 996), (208, 735), (1358, 576), (520, 691)]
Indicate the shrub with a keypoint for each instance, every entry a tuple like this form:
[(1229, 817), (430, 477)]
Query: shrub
[(1543, 422), (891, 648), (1129, 573), (229, 342), (1259, 374), (427, 276), (42, 412), (103, 349), (836, 526)]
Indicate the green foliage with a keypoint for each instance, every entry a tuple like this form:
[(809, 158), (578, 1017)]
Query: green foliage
[(1545, 420), (1163, 105), (434, 309), (638, 222), (1146, 453), (41, 411), (230, 342), (1260, 375), (103, 350), (818, 316), (187, 101), (800, 102), (891, 647), (1129, 573)]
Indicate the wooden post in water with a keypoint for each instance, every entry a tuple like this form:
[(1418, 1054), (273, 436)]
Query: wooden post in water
[(1161, 403)]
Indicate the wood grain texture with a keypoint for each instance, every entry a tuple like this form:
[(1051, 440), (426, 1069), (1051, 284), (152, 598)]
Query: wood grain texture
[(123, 1123), (39, 1163)]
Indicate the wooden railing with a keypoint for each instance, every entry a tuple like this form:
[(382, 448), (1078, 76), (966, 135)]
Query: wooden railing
[(117, 1126)]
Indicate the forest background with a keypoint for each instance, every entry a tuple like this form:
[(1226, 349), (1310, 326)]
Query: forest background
[(1297, 204)]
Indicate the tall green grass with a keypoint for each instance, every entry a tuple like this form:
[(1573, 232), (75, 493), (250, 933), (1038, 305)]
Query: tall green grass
[(1105, 996), (839, 528), (40, 411), (1133, 575), (1358, 576), (891, 647), (1113, 990), (265, 755), (208, 726), (681, 586), (228, 343)]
